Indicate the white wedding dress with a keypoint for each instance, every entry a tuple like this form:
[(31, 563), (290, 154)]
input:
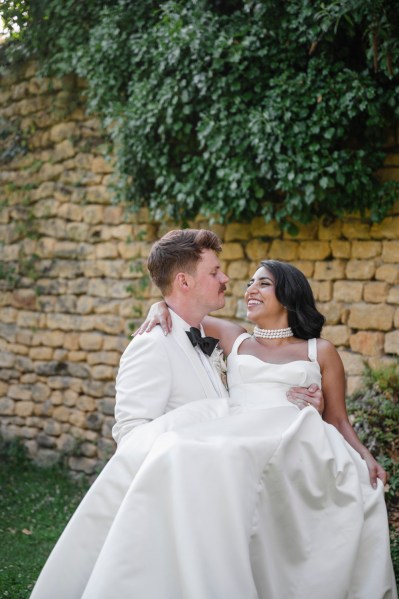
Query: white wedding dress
[(247, 498)]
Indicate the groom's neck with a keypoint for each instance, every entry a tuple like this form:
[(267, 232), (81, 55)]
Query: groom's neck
[(190, 313)]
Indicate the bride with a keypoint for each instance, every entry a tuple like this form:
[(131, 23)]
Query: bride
[(248, 498)]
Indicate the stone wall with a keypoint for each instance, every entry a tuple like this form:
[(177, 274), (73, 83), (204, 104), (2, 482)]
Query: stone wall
[(73, 280)]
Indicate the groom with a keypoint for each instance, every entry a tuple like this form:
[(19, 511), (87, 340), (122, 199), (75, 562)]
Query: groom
[(159, 373)]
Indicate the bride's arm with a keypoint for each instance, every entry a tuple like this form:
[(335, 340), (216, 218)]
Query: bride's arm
[(227, 332), (333, 385)]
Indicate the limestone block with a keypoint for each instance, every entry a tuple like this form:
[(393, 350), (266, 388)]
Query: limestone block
[(100, 165), (55, 225), (393, 295), (102, 373), (93, 214), (119, 232), (367, 343), (48, 172), (71, 341), (238, 269), (104, 357), (360, 269), (388, 272), (63, 151), (94, 421), (86, 403), (7, 359), (386, 229), (229, 309), (354, 384), (52, 427), (348, 291), (392, 343), (340, 249), (51, 339), (338, 334), (84, 305), (32, 105), (375, 292), (260, 228), (39, 85), (232, 251), (106, 446), (94, 388), (29, 432), (332, 311), (40, 392), (7, 406), (70, 322), (118, 344), (237, 232), (77, 356), (330, 231), (77, 231), (61, 413), (20, 392), (98, 194), (70, 211), (257, 250), (390, 251), (24, 408), (106, 250), (63, 131), (41, 353), (8, 331), (66, 443), (114, 215), (108, 288), (88, 449), (305, 266), (366, 316), (314, 250), (70, 398), (83, 464), (322, 290), (364, 250), (107, 406), (329, 270), (20, 91), (283, 250), (78, 286), (130, 250), (353, 363), (355, 229)]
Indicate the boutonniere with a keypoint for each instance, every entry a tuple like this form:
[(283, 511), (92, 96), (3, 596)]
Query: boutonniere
[(219, 363)]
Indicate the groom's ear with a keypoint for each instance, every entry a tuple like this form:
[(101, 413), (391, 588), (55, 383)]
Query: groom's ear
[(182, 280)]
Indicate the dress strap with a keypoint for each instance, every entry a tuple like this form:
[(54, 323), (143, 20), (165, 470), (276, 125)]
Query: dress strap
[(238, 341), (312, 349)]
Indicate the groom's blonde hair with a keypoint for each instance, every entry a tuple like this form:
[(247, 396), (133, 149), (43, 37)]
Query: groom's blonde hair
[(179, 251)]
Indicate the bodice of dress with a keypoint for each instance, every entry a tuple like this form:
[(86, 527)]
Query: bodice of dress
[(258, 384)]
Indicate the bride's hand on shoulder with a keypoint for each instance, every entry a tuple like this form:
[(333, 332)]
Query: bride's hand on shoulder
[(158, 314)]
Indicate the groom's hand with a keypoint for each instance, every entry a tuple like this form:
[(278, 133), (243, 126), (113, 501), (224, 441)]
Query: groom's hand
[(307, 396)]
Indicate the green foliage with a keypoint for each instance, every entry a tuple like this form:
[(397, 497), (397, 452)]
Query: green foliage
[(374, 413), (239, 108)]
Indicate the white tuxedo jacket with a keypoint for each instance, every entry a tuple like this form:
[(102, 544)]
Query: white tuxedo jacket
[(159, 373)]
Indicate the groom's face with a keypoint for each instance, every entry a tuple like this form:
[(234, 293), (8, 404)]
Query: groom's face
[(209, 283)]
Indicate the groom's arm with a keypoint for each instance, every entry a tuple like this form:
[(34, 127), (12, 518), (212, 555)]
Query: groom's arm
[(143, 384)]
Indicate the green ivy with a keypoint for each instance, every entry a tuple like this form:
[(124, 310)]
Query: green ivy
[(237, 109)]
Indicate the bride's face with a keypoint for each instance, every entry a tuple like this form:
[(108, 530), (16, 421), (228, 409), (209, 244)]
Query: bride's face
[(263, 307)]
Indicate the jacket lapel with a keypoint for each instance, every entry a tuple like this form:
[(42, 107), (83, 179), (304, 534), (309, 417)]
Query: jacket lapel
[(179, 335)]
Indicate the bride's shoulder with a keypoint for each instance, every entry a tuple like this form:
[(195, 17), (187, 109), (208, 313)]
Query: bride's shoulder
[(326, 351)]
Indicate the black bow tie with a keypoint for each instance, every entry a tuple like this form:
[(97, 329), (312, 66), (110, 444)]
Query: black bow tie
[(207, 344)]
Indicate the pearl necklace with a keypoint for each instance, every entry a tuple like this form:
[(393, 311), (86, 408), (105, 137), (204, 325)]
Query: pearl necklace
[(273, 333)]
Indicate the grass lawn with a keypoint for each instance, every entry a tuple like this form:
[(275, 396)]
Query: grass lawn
[(35, 504)]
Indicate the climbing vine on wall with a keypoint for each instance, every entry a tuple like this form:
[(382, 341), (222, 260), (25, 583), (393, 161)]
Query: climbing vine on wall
[(236, 109)]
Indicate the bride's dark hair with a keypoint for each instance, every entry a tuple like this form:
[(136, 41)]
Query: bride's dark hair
[(294, 293)]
